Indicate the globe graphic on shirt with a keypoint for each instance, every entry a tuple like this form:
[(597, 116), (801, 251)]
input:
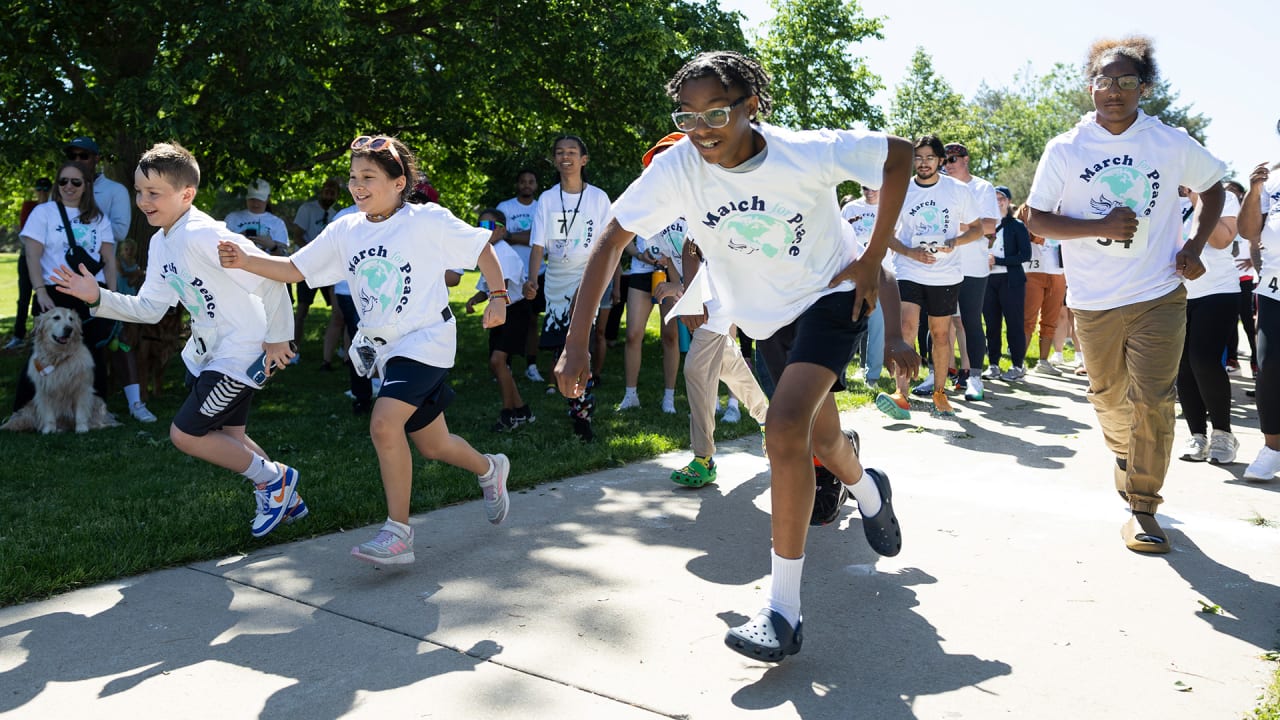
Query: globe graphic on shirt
[(378, 285), (1124, 186), (753, 232), (929, 221)]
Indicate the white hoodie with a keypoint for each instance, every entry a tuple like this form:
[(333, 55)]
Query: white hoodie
[(1087, 171)]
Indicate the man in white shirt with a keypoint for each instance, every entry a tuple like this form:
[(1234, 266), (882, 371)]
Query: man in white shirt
[(974, 264), (112, 198)]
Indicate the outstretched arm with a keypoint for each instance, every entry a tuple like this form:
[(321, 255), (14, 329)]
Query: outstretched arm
[(280, 269)]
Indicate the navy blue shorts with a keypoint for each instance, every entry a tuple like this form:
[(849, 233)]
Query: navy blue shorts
[(423, 386), (216, 401), (825, 335)]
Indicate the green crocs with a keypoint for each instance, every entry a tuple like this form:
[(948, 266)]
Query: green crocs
[(699, 472)]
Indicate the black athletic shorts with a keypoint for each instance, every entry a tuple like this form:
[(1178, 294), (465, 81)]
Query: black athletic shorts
[(216, 401), (423, 386), (937, 301), (510, 336), (822, 335)]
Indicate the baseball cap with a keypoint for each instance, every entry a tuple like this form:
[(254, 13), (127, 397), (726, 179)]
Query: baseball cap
[(1008, 195), (83, 143), (258, 190), (44, 184), (666, 142), (956, 149)]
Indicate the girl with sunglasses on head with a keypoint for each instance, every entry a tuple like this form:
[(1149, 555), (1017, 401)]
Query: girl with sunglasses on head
[(761, 201), (394, 254), (1107, 190), (70, 230)]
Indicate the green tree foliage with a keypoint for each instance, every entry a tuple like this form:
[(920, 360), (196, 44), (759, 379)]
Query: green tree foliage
[(277, 89), (817, 80), (925, 103)]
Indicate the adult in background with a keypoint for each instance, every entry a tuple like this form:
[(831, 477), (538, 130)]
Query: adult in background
[(1008, 247), (1259, 223), (1107, 190), (861, 214), (42, 188), (1046, 291), (312, 217), (113, 199), (975, 265), (519, 212)]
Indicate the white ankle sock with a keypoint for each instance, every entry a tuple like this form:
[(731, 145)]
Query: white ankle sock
[(784, 592), (261, 472), (867, 495), (133, 394), (733, 402), (669, 395), (488, 474), (402, 527), (629, 393)]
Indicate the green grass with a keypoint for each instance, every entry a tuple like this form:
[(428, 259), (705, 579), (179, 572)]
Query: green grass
[(82, 509)]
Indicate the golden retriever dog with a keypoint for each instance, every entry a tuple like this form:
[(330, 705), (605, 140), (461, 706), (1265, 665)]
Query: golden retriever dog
[(62, 371)]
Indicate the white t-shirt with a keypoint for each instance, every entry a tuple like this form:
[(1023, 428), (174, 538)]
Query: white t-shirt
[(259, 224), (567, 224), (668, 243), (973, 257), (313, 219), (1269, 275), (931, 215), (520, 219), (343, 288), (1220, 274), (395, 269), (228, 308), (1046, 258), (44, 225), (863, 216), (995, 250), (771, 236), (513, 271), (1087, 171)]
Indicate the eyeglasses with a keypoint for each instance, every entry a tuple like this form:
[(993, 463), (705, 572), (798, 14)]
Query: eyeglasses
[(713, 118), (77, 182), (953, 159), (378, 144), (1126, 82), (79, 155)]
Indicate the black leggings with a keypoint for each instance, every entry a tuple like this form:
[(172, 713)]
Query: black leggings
[(1203, 386), (973, 292), (1246, 319), (1268, 378), (1006, 298)]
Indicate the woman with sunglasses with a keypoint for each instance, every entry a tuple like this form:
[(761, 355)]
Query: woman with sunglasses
[(761, 200), (70, 229), (1108, 191), (394, 254)]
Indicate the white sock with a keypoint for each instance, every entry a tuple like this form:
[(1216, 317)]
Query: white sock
[(784, 592), (261, 472), (733, 403), (133, 394), (629, 393), (867, 495), (488, 474), (404, 529), (669, 395)]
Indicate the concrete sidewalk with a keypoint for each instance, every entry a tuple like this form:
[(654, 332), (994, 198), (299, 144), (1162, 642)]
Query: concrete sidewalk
[(607, 596)]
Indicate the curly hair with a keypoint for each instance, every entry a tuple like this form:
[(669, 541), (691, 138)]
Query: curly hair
[(730, 68), (1138, 48)]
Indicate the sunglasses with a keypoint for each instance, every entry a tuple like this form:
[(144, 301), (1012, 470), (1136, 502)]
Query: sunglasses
[(79, 155), (77, 182), (378, 144), (953, 159), (714, 118)]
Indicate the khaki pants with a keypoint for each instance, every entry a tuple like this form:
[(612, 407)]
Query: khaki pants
[(1133, 354), (713, 358)]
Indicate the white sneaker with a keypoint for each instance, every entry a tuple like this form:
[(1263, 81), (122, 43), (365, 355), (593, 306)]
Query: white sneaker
[(1014, 374), (391, 546), (496, 501), (532, 373), (669, 406), (1056, 359), (1265, 466), (13, 344), (1045, 367), (140, 413), (1222, 447), (1197, 449), (991, 373), (629, 401), (973, 388), (924, 388), (731, 414)]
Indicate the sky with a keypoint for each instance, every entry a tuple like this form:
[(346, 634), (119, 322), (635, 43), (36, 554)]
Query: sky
[(1217, 61)]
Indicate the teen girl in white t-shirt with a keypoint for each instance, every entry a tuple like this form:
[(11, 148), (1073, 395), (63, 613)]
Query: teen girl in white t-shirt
[(393, 255), (761, 202), (1260, 225)]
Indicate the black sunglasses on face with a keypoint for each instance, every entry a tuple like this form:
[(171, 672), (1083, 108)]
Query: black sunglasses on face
[(953, 159), (62, 182), (79, 155)]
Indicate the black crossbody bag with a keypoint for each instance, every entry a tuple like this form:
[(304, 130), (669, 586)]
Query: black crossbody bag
[(76, 255)]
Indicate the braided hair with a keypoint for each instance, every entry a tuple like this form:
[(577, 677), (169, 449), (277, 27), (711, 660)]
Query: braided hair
[(730, 68)]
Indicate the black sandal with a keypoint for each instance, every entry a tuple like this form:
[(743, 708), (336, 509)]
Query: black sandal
[(768, 636)]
